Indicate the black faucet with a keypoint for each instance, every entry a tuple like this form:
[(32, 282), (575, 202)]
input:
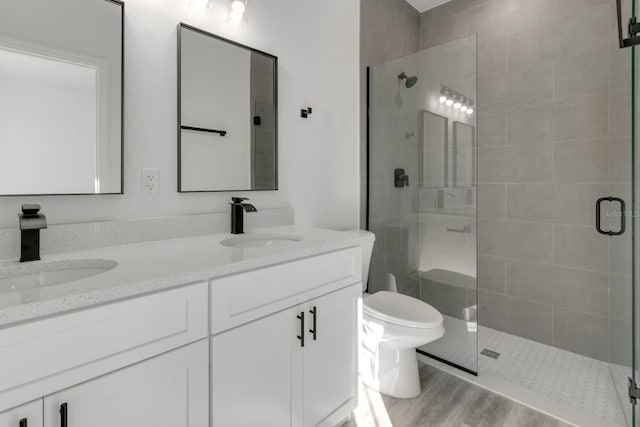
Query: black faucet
[(237, 214), (31, 222)]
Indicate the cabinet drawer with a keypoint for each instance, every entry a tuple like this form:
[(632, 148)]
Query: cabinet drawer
[(41, 357), (248, 296)]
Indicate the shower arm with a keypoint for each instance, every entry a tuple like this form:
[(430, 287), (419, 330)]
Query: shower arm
[(633, 29)]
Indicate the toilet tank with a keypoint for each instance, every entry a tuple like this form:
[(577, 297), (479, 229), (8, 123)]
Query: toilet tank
[(367, 240)]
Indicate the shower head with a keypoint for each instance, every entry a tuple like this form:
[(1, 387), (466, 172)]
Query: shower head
[(410, 81)]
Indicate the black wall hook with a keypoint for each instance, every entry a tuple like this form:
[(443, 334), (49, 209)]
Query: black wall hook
[(304, 113)]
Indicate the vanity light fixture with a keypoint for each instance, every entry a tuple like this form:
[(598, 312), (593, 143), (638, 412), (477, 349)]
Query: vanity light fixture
[(205, 5), (237, 12), (455, 101)]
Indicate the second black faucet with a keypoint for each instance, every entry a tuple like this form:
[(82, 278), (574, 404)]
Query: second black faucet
[(237, 213)]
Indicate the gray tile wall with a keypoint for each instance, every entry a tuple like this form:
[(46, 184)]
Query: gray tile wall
[(389, 29), (547, 71)]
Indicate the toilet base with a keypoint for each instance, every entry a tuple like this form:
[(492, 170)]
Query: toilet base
[(391, 371)]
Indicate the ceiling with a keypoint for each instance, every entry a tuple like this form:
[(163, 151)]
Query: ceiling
[(424, 5)]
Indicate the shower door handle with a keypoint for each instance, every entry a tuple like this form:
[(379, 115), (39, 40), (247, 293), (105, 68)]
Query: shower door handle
[(633, 28), (598, 216)]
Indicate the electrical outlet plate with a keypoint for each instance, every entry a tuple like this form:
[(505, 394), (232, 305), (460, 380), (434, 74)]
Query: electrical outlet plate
[(150, 181)]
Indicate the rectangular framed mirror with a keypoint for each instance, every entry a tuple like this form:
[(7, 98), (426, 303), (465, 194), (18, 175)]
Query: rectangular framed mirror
[(61, 102), (227, 115), (434, 166), (464, 155)]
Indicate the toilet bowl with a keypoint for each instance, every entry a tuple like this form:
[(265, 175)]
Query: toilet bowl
[(393, 325)]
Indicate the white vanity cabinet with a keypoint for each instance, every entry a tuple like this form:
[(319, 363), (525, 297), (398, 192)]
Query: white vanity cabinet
[(261, 373), (27, 415), (116, 364), (270, 347), (330, 359), (170, 390)]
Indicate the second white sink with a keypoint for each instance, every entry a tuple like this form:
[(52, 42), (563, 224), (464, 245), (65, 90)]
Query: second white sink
[(261, 240), (40, 274)]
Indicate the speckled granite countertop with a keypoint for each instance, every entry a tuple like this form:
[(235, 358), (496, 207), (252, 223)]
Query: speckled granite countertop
[(153, 266)]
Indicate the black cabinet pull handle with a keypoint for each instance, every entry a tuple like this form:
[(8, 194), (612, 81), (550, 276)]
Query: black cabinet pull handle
[(314, 329), (301, 336), (63, 415), (23, 422), (622, 216)]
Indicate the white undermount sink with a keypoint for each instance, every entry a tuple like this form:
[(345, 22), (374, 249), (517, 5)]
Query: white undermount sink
[(261, 240), (41, 274)]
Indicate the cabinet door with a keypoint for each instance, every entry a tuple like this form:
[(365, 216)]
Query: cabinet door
[(29, 415), (170, 390), (330, 361), (251, 372)]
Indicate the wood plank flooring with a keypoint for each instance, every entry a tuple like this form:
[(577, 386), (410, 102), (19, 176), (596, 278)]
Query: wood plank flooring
[(446, 401)]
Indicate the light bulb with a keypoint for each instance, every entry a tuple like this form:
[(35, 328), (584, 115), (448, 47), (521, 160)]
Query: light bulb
[(463, 108), (469, 111), (449, 102), (201, 5), (238, 6), (457, 106), (442, 99), (236, 17)]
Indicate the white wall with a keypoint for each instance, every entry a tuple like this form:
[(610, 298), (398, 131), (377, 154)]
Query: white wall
[(317, 46)]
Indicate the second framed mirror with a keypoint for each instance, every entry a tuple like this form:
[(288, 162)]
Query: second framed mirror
[(227, 115)]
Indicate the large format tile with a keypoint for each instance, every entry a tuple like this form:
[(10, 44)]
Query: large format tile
[(530, 241), (580, 290), (493, 128), (492, 54), (492, 201), (580, 247), (585, 73), (531, 84), (573, 34), (554, 203), (581, 161), (492, 274), (516, 239), (515, 164), (580, 333), (444, 31), (516, 316)]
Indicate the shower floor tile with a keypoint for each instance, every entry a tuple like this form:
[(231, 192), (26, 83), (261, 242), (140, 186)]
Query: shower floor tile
[(572, 387)]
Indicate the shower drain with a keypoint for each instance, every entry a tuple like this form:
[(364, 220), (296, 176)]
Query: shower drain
[(490, 353)]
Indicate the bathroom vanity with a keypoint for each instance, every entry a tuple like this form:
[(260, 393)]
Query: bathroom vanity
[(200, 331)]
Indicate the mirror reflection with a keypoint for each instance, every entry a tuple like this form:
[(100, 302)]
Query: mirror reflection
[(435, 150), (61, 97), (464, 171), (227, 115)]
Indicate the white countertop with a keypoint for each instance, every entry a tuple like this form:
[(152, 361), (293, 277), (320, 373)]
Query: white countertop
[(148, 267)]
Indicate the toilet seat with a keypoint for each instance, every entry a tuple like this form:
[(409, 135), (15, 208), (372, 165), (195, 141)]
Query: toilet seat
[(402, 310)]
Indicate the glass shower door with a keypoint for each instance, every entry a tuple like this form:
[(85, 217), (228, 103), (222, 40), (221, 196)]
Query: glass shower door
[(422, 194), (620, 217)]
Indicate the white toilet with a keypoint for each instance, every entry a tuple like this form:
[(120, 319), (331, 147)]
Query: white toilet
[(393, 326)]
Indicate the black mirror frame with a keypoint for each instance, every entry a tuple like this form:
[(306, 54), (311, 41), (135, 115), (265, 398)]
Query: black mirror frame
[(179, 125), (122, 6)]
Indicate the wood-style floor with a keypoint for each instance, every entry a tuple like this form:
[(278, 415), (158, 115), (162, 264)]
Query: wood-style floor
[(446, 401)]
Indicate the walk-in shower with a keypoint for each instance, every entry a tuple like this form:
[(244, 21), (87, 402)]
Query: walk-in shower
[(522, 148)]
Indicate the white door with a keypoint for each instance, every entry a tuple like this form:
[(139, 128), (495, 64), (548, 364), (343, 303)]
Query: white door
[(28, 415), (252, 372), (170, 390), (330, 360)]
